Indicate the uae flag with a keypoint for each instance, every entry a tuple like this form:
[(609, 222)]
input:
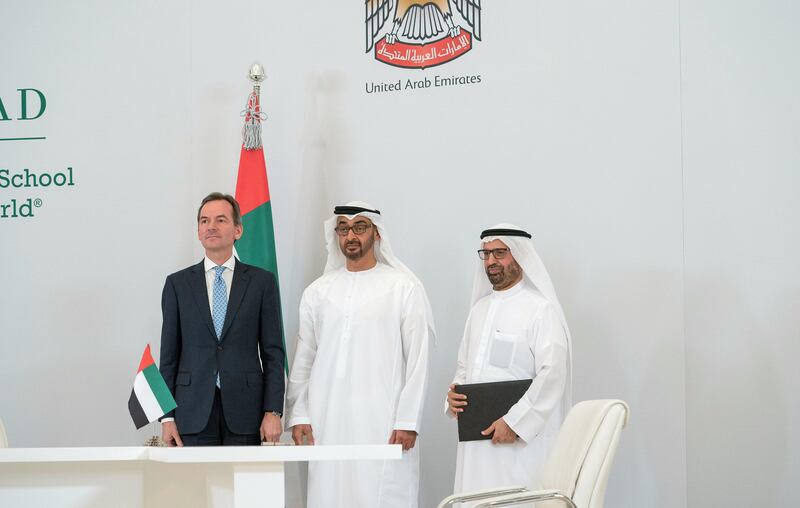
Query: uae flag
[(150, 397), (257, 245)]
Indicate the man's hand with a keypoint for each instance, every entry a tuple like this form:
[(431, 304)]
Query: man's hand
[(300, 431), (502, 432), (169, 434), (456, 401), (407, 438), (271, 428)]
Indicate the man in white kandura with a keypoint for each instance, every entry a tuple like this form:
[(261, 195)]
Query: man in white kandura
[(515, 330), (360, 365)]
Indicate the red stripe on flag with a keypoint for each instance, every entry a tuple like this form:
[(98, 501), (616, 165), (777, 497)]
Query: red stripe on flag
[(252, 188), (147, 359)]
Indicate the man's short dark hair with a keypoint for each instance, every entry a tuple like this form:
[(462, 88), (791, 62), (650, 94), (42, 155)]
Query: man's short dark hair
[(218, 196)]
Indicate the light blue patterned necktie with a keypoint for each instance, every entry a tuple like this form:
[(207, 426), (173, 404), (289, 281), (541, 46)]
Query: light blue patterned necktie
[(220, 299)]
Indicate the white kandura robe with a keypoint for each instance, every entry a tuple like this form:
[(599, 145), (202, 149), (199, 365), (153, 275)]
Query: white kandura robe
[(359, 372), (513, 334)]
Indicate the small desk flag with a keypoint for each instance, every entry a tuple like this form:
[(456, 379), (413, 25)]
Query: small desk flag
[(150, 397)]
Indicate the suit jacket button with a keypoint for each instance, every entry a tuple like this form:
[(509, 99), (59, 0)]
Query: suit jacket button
[(219, 348)]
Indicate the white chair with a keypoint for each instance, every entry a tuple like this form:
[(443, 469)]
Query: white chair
[(3, 438), (576, 471)]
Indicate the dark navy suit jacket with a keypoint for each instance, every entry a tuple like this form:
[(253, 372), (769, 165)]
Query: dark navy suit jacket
[(249, 355)]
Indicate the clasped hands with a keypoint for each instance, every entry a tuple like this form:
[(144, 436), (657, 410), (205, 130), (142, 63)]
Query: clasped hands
[(499, 429)]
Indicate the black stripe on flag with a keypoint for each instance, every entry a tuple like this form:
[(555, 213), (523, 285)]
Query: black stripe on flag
[(137, 413)]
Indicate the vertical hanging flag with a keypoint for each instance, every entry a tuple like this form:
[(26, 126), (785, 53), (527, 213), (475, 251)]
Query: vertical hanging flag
[(150, 398), (257, 244)]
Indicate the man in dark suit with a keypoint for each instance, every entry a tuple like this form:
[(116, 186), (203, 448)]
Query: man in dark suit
[(222, 355)]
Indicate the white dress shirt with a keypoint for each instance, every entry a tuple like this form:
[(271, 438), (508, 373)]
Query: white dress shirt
[(227, 276)]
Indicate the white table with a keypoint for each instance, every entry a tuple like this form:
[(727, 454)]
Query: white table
[(144, 477)]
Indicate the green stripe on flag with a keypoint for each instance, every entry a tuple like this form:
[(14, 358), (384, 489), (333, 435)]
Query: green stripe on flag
[(257, 247), (159, 388), (257, 244)]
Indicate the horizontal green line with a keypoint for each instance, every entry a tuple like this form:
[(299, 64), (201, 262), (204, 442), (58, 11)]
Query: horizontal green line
[(21, 139)]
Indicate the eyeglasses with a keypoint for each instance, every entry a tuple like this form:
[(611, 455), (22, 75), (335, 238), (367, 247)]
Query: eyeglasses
[(497, 253), (358, 229)]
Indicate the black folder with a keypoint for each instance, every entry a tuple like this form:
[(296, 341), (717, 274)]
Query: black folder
[(486, 402)]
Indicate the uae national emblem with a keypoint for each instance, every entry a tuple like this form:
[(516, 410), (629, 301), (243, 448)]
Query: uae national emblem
[(423, 32)]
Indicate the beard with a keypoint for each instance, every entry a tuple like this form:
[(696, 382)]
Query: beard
[(506, 276), (356, 254)]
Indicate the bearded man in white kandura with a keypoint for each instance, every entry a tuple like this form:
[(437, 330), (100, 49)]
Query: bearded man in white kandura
[(360, 365), (515, 330)]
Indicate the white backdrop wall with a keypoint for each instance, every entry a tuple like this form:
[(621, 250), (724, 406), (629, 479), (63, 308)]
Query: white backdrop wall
[(608, 130), (741, 160)]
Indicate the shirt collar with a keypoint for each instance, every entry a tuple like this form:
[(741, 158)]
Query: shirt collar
[(507, 293), (229, 264)]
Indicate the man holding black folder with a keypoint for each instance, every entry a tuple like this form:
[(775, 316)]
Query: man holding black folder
[(516, 332)]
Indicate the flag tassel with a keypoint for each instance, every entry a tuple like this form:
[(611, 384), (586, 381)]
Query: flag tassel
[(251, 130)]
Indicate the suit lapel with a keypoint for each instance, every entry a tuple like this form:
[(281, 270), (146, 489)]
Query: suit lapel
[(238, 288), (200, 293)]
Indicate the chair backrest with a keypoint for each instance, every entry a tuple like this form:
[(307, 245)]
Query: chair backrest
[(580, 461), (3, 438)]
